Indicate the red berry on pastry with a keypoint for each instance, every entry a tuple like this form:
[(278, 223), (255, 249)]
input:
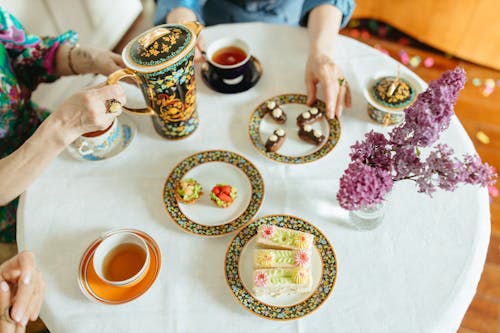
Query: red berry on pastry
[(223, 195)]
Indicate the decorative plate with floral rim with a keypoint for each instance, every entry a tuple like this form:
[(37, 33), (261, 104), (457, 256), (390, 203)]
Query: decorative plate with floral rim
[(211, 168), (294, 150), (238, 270)]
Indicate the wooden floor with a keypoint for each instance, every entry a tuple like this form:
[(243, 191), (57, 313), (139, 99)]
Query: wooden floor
[(477, 113)]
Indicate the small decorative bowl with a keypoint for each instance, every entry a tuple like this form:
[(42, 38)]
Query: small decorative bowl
[(387, 98)]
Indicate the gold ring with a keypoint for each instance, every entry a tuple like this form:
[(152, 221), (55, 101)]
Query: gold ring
[(341, 81), (113, 105), (5, 316)]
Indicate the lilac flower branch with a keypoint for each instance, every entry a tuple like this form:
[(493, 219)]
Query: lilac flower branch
[(377, 162)]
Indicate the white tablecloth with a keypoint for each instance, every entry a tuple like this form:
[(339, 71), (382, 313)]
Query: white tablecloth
[(417, 272)]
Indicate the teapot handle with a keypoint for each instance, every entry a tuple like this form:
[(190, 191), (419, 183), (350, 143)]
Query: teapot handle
[(194, 26), (124, 73)]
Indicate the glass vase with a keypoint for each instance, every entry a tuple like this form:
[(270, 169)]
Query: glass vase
[(368, 217)]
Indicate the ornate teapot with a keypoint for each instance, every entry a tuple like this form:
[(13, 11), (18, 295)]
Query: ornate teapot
[(160, 61)]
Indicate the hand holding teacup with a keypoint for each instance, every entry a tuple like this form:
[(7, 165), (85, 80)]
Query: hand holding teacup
[(90, 113)]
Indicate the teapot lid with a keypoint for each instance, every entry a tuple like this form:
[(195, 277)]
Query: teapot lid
[(159, 47)]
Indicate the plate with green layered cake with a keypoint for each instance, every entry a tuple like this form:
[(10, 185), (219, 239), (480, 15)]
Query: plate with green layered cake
[(280, 267)]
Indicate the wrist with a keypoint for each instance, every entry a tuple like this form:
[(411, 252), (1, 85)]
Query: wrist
[(61, 131), (82, 60), (181, 14)]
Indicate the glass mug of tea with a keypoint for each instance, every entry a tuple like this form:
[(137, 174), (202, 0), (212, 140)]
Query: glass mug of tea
[(97, 141), (121, 259), (228, 58)]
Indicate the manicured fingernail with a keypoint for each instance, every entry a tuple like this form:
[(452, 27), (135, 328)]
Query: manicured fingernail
[(4, 286), (27, 279), (24, 322)]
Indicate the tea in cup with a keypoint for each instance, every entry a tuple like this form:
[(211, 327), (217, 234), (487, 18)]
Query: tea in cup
[(228, 58), (97, 141), (121, 259)]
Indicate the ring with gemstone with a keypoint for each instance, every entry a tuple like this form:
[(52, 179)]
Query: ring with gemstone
[(113, 105)]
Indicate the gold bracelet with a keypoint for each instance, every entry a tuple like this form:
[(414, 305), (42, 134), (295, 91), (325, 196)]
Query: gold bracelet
[(70, 60)]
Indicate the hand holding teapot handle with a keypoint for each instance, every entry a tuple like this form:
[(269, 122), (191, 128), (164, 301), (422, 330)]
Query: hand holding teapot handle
[(127, 73)]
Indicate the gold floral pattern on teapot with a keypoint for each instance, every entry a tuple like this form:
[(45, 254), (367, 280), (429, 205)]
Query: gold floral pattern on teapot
[(161, 62)]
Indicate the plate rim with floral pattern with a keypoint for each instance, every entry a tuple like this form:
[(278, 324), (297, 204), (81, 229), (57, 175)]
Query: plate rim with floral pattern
[(244, 297), (260, 111), (171, 204)]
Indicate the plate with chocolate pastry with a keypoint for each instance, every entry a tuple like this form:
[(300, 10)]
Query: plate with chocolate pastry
[(280, 267), (212, 193), (285, 129)]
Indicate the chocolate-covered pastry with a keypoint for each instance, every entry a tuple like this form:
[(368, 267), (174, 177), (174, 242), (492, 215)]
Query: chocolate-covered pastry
[(309, 116), (308, 134), (278, 115), (271, 105), (275, 140)]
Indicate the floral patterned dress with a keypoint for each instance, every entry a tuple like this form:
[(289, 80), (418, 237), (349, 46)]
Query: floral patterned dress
[(25, 61)]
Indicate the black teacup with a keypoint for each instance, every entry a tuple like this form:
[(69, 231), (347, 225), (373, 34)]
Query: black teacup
[(228, 59)]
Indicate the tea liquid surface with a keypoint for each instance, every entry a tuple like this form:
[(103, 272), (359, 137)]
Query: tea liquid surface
[(123, 262), (228, 56)]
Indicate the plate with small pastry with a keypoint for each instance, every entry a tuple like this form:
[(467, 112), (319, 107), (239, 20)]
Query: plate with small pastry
[(213, 193), (280, 267), (285, 129)]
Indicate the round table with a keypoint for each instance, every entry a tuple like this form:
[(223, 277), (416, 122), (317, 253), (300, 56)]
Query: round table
[(417, 272)]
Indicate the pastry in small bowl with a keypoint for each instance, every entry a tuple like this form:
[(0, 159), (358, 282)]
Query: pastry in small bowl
[(388, 96), (223, 195), (188, 191)]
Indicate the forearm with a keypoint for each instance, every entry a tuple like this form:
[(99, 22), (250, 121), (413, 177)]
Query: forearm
[(23, 166), (323, 26)]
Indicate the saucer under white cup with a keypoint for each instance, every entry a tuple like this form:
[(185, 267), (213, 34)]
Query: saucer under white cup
[(114, 144)]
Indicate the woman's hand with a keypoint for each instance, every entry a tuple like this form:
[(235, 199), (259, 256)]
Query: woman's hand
[(323, 26), (21, 290), (86, 111), (105, 62), (180, 15), (322, 70)]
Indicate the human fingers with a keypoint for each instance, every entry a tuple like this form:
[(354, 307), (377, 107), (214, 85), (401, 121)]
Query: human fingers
[(339, 106), (200, 50), (37, 299), (110, 91), (7, 325), (347, 96), (311, 89), (26, 285), (330, 91)]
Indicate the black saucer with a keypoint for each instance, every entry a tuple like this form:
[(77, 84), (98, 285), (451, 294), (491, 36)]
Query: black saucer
[(250, 78)]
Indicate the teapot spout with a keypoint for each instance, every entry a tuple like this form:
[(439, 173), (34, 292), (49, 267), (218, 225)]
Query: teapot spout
[(194, 26)]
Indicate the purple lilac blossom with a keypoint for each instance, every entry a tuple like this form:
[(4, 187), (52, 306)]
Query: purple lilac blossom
[(362, 185), (377, 162)]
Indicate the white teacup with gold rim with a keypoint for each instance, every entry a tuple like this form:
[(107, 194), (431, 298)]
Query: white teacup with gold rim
[(98, 141), (121, 259)]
